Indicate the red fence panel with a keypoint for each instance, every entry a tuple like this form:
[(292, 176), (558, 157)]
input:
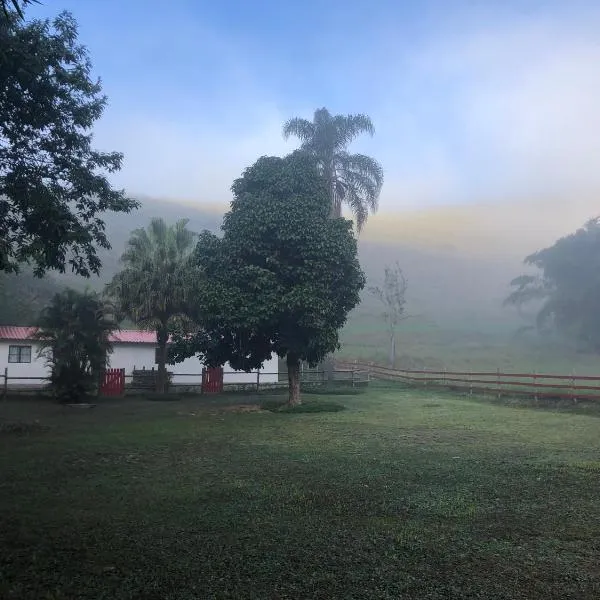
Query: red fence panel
[(113, 382), (212, 380)]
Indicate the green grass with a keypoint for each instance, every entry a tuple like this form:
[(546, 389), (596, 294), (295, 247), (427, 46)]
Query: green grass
[(454, 346), (404, 494)]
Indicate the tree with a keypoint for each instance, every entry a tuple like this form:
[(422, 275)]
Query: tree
[(14, 6), (53, 183), (74, 330), (392, 296), (282, 278), (567, 290), (352, 179), (153, 287)]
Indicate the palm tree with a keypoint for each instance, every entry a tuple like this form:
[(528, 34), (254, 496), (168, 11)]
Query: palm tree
[(352, 179), (152, 289), (74, 331)]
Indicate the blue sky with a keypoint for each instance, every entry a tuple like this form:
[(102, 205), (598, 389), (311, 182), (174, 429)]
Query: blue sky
[(473, 101)]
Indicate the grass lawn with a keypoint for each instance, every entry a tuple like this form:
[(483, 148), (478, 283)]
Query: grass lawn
[(403, 495)]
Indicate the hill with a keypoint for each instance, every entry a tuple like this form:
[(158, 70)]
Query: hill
[(458, 260)]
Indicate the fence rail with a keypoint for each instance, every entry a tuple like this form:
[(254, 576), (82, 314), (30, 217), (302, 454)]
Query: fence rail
[(499, 383), (255, 381)]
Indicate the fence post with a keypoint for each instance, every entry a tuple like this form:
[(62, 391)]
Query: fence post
[(5, 387), (498, 383), (444, 377), (353, 372), (470, 384), (573, 385), (257, 379)]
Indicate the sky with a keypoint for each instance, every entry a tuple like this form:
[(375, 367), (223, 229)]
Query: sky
[(472, 101)]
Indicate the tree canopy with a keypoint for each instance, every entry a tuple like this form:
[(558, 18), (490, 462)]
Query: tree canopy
[(53, 183), (74, 334), (281, 279), (10, 7), (154, 286), (567, 286), (352, 179)]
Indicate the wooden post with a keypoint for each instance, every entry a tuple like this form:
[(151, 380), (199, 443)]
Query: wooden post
[(470, 384), (573, 384), (353, 371), (444, 376), (5, 390), (257, 379), (535, 396), (498, 394)]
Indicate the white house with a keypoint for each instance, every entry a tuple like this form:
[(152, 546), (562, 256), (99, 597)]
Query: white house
[(132, 349)]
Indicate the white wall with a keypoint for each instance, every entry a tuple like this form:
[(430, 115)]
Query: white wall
[(141, 356), (36, 368), (130, 357)]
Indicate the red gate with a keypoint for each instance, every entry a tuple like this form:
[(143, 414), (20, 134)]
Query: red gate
[(113, 383), (212, 380)]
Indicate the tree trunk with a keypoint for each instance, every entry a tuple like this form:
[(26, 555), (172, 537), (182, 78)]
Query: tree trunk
[(392, 349), (162, 337), (329, 368), (293, 368)]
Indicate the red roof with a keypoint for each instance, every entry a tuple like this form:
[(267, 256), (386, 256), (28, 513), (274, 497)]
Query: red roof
[(125, 336)]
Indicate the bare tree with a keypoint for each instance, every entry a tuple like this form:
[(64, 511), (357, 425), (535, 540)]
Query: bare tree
[(393, 297)]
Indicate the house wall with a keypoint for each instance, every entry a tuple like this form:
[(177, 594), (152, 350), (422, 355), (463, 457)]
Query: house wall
[(36, 368), (129, 357), (141, 356)]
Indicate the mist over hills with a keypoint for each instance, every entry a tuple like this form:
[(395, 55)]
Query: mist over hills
[(458, 260)]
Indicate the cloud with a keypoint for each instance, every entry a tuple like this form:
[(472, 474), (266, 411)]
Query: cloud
[(474, 110), (524, 100), (187, 161)]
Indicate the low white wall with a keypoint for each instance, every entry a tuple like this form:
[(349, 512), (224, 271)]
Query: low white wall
[(130, 357), (36, 368), (141, 356)]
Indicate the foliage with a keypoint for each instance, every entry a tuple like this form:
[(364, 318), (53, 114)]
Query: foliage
[(282, 278), (568, 287), (53, 183), (154, 286), (393, 297), (8, 8), (74, 331), (352, 179)]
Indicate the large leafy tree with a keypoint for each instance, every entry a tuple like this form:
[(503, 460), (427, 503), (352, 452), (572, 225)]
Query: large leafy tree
[(53, 183), (566, 287), (351, 179), (281, 279), (154, 286), (74, 330)]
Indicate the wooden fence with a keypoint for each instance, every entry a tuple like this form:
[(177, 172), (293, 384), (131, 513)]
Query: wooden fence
[(499, 383), (117, 382)]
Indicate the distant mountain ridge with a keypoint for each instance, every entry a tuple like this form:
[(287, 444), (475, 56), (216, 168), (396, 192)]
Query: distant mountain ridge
[(457, 259)]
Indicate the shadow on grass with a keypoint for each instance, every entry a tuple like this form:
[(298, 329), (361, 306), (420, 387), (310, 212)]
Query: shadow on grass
[(310, 406)]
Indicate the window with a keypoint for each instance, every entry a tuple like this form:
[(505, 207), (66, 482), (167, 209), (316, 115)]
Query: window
[(19, 354)]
